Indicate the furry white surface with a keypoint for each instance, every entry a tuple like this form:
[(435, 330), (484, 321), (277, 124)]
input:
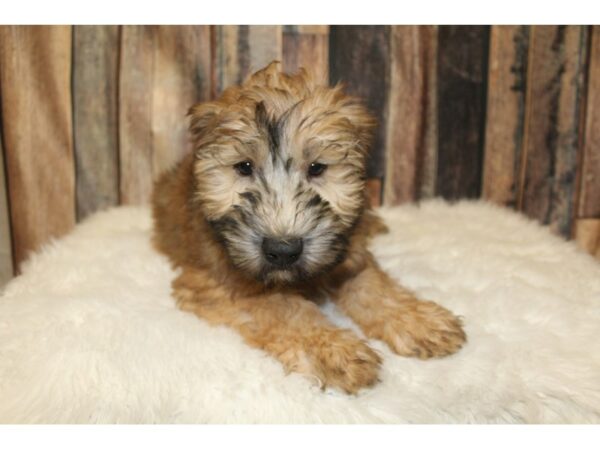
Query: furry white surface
[(89, 332)]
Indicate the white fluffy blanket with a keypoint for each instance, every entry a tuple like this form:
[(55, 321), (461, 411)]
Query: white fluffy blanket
[(89, 332)]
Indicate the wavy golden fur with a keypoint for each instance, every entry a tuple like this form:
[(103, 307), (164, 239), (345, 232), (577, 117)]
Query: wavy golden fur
[(269, 215)]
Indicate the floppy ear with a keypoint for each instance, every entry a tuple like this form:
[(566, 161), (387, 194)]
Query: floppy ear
[(203, 117), (359, 117)]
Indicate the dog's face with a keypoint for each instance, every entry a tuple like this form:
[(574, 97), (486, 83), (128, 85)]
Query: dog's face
[(279, 173)]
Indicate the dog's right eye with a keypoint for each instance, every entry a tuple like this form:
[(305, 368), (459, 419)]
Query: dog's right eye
[(244, 168)]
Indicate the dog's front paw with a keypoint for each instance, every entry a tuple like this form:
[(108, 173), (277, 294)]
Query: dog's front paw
[(338, 358), (423, 329)]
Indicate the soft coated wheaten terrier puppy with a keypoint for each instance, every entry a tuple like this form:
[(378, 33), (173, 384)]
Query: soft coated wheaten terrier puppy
[(269, 214)]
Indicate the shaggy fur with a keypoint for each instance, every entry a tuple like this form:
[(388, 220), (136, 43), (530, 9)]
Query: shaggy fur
[(281, 159), (89, 333)]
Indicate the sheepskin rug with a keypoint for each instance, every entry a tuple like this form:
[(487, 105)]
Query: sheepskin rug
[(90, 334)]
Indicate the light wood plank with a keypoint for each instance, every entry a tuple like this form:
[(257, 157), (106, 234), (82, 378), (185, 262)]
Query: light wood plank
[(589, 201), (241, 50), (587, 235), (35, 75), (505, 118), (164, 70), (308, 50), (411, 115)]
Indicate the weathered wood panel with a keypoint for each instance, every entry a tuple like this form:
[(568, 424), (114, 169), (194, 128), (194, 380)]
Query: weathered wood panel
[(308, 48), (95, 117), (359, 57), (589, 201), (163, 71), (587, 235), (6, 263), (462, 61), (135, 114), (240, 50), (505, 118), (181, 78), (554, 88), (411, 146), (35, 75)]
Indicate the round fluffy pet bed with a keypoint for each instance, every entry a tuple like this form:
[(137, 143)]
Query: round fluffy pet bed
[(89, 332)]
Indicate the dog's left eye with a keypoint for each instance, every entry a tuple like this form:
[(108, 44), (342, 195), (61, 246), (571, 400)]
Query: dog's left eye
[(316, 169), (244, 168)]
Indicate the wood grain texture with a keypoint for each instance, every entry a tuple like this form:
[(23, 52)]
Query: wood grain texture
[(35, 78), (359, 57), (589, 201), (95, 117), (373, 187), (163, 71), (410, 115), (554, 88), (587, 235), (6, 262), (462, 61), (181, 78), (306, 49), (505, 117), (239, 50)]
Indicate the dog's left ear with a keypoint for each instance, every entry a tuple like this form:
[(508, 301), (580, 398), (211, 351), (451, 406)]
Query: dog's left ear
[(358, 116)]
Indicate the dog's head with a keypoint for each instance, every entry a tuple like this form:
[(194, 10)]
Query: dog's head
[(279, 173)]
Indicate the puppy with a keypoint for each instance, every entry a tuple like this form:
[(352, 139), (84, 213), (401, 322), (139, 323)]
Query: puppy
[(269, 215)]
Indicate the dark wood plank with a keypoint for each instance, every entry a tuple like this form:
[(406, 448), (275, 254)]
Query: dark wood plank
[(240, 50), (163, 71), (359, 57), (554, 88), (410, 115), (462, 61), (589, 201), (308, 48), (6, 263), (95, 117), (505, 117), (35, 75)]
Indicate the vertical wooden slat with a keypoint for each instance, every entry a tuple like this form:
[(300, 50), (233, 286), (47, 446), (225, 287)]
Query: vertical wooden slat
[(505, 118), (181, 78), (462, 61), (35, 75), (95, 117), (359, 57), (241, 50), (6, 263), (589, 201), (135, 113), (587, 235), (307, 47), (410, 116), (554, 86), (163, 71)]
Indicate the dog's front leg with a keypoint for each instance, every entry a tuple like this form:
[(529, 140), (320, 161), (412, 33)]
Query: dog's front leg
[(289, 327), (386, 311)]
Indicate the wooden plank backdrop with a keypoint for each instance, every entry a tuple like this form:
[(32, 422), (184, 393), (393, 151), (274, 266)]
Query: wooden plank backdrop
[(90, 115)]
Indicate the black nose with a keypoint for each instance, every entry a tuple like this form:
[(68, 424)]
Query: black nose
[(282, 252)]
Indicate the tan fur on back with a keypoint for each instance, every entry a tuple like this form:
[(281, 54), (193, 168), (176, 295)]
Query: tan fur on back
[(211, 220)]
